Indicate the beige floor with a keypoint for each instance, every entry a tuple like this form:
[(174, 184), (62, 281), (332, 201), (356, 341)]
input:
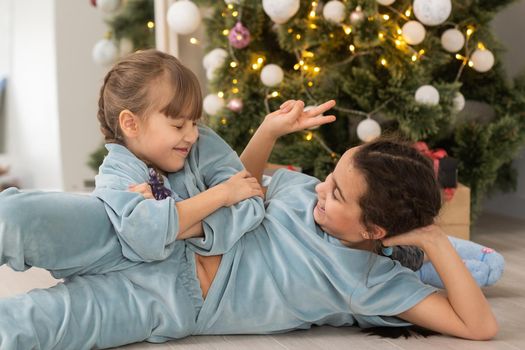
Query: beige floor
[(507, 299)]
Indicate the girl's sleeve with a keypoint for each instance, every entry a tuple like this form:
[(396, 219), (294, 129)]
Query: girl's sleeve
[(387, 290), (146, 228), (216, 163)]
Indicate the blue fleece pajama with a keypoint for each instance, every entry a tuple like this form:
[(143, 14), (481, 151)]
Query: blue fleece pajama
[(279, 270)]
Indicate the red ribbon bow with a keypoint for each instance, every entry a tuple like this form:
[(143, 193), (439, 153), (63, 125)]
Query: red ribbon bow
[(435, 155)]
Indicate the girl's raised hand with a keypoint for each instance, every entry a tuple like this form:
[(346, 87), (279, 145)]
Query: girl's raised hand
[(292, 117)]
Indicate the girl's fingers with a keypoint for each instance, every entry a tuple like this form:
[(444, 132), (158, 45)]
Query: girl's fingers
[(320, 109), (318, 121), (286, 103)]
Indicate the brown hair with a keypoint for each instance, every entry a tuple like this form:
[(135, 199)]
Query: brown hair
[(127, 86), (402, 189)]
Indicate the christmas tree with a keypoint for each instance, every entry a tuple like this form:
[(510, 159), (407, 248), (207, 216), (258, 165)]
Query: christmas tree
[(405, 66)]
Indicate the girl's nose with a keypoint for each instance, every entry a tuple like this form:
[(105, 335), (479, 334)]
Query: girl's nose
[(192, 134), (319, 188)]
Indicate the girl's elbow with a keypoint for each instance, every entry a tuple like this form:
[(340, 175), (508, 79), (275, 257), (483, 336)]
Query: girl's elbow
[(487, 332)]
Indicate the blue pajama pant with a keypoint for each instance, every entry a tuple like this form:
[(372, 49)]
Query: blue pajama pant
[(106, 300)]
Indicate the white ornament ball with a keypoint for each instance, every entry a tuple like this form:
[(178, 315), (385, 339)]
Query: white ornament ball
[(368, 129), (386, 2), (357, 16), (427, 95), (125, 46), (105, 52), (210, 74), (108, 6), (334, 11), (432, 12), (413, 32), (306, 109), (212, 104), (482, 60), (183, 17), (280, 11), (215, 58), (458, 102), (452, 40), (272, 75)]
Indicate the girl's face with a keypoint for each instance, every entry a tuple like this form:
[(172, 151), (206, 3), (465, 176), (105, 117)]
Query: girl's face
[(337, 211), (165, 142)]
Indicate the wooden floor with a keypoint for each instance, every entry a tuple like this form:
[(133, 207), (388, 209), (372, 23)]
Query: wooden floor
[(507, 298)]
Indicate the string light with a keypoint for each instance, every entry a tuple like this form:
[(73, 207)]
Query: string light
[(308, 54), (481, 46), (317, 69), (352, 48), (298, 36), (313, 26), (235, 90), (384, 62), (225, 32), (408, 12), (386, 17), (305, 67), (460, 57), (151, 24), (274, 94), (381, 36), (235, 81), (399, 31), (347, 29), (470, 64), (414, 58), (235, 13), (296, 66), (290, 30), (260, 60), (194, 41), (220, 94), (224, 121), (233, 64), (230, 6), (470, 31), (310, 83), (309, 136)]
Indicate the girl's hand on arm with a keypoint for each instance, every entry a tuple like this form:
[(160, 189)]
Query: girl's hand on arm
[(144, 189), (463, 311), (239, 187)]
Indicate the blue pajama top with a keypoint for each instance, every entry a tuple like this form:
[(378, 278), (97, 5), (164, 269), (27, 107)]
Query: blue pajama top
[(279, 270), (289, 274)]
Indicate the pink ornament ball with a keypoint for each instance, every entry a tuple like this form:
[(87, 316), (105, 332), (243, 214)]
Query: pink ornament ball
[(235, 105), (239, 36), (93, 3)]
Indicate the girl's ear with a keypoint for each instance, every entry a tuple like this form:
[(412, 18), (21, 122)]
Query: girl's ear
[(128, 124), (377, 232)]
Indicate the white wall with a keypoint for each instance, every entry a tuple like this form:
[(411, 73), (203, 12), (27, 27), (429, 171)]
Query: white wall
[(33, 145), (52, 93), (78, 27), (509, 27)]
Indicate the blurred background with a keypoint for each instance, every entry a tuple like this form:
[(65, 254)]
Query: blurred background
[(49, 85)]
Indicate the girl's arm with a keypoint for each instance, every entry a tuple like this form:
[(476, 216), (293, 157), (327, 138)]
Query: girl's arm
[(193, 210), (290, 118), (463, 311)]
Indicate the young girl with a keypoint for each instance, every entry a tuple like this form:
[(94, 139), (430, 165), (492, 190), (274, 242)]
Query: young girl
[(148, 111)]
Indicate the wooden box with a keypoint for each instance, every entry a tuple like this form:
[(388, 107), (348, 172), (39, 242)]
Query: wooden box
[(454, 217)]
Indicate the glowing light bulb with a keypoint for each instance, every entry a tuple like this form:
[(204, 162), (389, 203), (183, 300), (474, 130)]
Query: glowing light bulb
[(220, 94), (225, 32), (233, 64), (151, 24), (309, 136)]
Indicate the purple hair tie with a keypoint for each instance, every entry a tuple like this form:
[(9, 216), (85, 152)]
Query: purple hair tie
[(156, 181)]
